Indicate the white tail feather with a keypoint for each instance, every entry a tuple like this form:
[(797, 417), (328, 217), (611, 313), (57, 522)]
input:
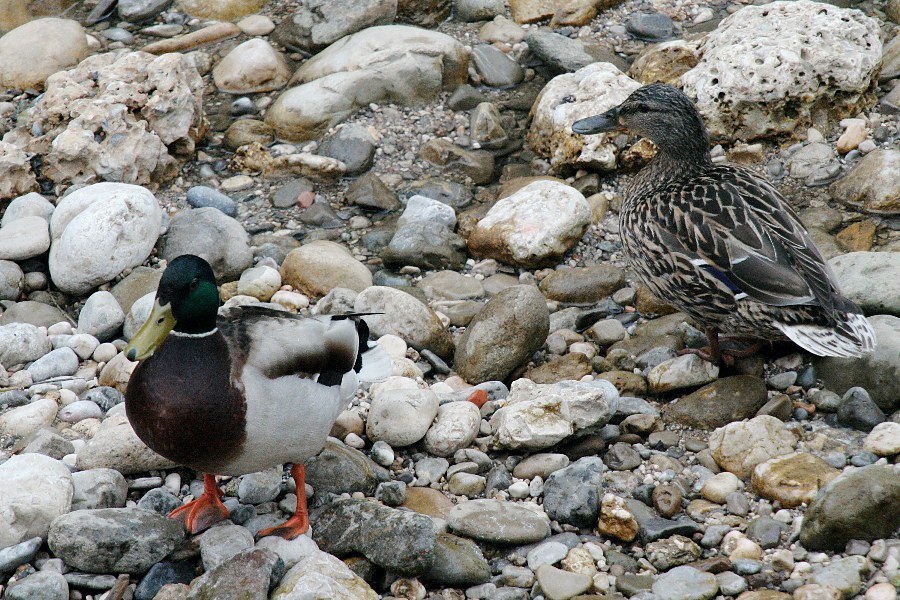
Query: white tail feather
[(853, 338), (376, 365)]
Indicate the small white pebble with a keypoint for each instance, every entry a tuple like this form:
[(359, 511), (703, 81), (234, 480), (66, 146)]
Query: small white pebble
[(173, 482), (354, 441)]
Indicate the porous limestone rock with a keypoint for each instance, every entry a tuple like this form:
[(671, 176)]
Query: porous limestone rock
[(589, 91), (773, 69)]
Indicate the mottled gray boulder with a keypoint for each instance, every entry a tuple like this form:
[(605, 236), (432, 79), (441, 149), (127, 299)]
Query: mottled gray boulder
[(210, 234), (572, 495)]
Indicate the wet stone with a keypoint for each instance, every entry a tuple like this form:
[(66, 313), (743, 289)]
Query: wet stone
[(650, 27)]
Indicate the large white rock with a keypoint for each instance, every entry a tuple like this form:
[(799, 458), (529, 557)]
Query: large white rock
[(119, 116), (533, 227), (23, 238), (589, 91), (766, 69), (538, 416), (27, 205), (871, 279), (739, 447), (401, 417), (34, 490), (26, 57), (22, 421), (99, 231), (322, 575), (21, 343), (254, 66), (388, 63), (18, 177), (101, 316), (117, 446), (456, 427), (401, 314)]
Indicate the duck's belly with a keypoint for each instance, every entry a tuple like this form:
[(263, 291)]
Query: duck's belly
[(287, 420)]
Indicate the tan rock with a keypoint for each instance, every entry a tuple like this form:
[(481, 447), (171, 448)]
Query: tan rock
[(18, 12), (764, 595), (18, 179), (665, 62), (857, 237), (793, 479), (615, 519), (737, 545), (320, 266), (26, 59), (572, 366), (739, 447), (221, 10), (207, 35), (117, 446), (531, 11), (117, 372), (873, 185), (574, 14), (884, 439), (853, 135), (427, 501), (817, 591), (254, 66)]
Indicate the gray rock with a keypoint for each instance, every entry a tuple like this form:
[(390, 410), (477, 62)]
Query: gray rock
[(99, 488), (256, 488), (878, 372), (843, 575), (486, 127), (316, 24), (431, 469), (101, 316), (212, 235), (391, 493), (249, 574), (19, 554), (405, 316), (449, 192), (221, 542), (140, 282), (404, 541), (34, 490), (499, 522), (870, 279), (731, 584), (465, 97), (39, 314), (12, 280), (859, 411), (496, 68), (422, 209), (43, 585), (719, 403), (478, 10), (572, 494), (49, 443), (650, 27), (622, 457), (560, 53), (863, 504), (339, 469), (163, 573), (653, 527), (766, 531), (286, 195), (21, 343), (427, 245), (104, 396), (201, 196), (685, 583), (135, 11), (353, 145), (56, 363), (159, 500), (369, 192), (458, 563), (450, 285), (672, 552), (517, 315), (113, 540)]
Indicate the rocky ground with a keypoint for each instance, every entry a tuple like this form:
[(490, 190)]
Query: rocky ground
[(540, 438)]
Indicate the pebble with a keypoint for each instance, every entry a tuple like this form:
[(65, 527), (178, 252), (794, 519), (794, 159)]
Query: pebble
[(685, 583), (43, 585), (456, 427), (650, 27), (884, 439), (221, 542), (201, 196), (401, 417), (859, 411)]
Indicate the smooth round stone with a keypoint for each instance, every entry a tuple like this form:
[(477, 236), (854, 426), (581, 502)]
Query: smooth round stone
[(117, 34), (212, 235), (21, 343), (457, 425), (519, 490), (12, 280), (466, 484), (12, 557), (256, 25), (99, 488), (223, 541), (83, 344), (26, 60), (540, 465), (884, 439), (25, 237), (256, 488), (35, 281), (136, 11), (401, 417), (318, 267), (105, 352), (260, 282), (651, 27), (201, 196), (685, 583), (56, 363), (719, 486), (243, 106), (32, 313), (548, 553), (248, 131), (34, 490), (499, 522), (43, 585), (424, 209), (101, 316), (254, 66), (31, 204), (382, 453), (79, 411), (24, 421)]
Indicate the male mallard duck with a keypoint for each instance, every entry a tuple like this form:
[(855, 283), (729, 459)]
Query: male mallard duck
[(240, 392), (720, 243)]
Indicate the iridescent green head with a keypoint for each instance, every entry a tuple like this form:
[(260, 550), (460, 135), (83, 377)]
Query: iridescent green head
[(187, 301)]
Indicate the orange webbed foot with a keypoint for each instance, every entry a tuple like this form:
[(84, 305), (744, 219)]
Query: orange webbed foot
[(205, 511)]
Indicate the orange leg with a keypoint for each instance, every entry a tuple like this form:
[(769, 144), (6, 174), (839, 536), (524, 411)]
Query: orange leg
[(205, 511), (299, 523)]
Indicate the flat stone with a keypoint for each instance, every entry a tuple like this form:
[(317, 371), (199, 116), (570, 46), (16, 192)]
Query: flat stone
[(685, 583), (561, 585), (719, 403), (499, 522), (739, 447), (496, 68)]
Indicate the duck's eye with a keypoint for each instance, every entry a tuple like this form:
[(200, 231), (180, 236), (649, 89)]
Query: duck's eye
[(194, 284), (641, 108)]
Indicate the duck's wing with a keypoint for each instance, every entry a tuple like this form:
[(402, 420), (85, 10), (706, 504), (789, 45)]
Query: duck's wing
[(279, 344), (740, 229)]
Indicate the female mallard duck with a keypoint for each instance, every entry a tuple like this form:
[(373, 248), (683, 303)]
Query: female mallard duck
[(720, 243), (240, 392)]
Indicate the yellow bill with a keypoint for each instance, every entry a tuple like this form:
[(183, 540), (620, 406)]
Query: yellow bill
[(152, 333)]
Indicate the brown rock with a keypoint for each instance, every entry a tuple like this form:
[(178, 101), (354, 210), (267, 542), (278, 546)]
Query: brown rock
[(858, 237), (213, 33), (764, 595), (247, 131), (628, 383), (667, 500), (574, 14), (793, 479), (647, 303), (221, 10), (424, 13), (873, 185), (664, 62), (637, 345), (616, 520), (531, 11), (318, 267), (427, 501), (476, 164), (583, 284), (511, 186), (572, 366), (719, 403)]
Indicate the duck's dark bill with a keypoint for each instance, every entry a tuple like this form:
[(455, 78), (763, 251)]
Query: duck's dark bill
[(152, 334), (608, 121)]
